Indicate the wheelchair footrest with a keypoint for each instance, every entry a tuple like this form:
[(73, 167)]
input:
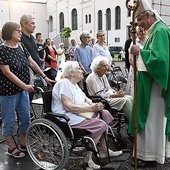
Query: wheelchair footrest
[(124, 156), (111, 166)]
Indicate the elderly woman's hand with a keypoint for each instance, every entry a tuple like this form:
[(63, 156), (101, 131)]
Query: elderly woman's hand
[(97, 107), (120, 93)]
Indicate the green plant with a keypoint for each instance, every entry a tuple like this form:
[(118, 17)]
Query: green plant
[(66, 32)]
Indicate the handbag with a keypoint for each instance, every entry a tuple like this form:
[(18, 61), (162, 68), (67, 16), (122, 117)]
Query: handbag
[(87, 115)]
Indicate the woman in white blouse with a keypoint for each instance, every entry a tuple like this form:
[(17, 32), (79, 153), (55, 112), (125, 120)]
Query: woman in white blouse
[(69, 99)]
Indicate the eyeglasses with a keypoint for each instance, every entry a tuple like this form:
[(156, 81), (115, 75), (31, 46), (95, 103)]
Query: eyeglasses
[(18, 30)]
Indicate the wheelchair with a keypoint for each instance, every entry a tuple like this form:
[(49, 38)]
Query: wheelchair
[(50, 141), (120, 119)]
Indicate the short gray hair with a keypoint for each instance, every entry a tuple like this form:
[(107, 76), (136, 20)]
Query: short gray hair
[(84, 34), (25, 19), (96, 63), (69, 67)]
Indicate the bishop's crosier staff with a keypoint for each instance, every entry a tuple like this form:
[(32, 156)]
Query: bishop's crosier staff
[(132, 5)]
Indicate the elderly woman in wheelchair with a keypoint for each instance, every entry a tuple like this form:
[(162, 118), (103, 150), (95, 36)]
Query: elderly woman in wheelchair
[(97, 84), (68, 99)]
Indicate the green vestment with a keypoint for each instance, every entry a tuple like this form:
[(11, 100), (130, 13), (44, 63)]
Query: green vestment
[(156, 57)]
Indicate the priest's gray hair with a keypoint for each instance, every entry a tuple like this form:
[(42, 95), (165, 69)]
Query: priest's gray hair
[(69, 67), (96, 63)]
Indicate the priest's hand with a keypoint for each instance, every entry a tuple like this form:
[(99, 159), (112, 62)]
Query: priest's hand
[(134, 49)]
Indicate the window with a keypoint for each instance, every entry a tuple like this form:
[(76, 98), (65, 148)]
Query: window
[(86, 19), (89, 18), (108, 19), (74, 19), (100, 20), (50, 23), (61, 20), (117, 17), (117, 39)]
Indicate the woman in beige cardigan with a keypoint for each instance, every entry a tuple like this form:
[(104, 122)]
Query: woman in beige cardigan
[(97, 84)]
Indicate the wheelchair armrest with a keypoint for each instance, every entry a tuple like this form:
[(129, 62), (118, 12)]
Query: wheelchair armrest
[(67, 119), (95, 98)]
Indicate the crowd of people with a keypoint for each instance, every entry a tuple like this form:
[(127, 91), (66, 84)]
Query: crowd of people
[(20, 53)]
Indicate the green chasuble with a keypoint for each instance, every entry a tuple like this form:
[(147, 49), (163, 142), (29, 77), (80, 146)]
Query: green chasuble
[(156, 57)]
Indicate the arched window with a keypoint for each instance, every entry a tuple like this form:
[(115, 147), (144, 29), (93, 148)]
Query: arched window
[(108, 19), (117, 18), (89, 18), (86, 19), (74, 19), (50, 23), (99, 20), (61, 20)]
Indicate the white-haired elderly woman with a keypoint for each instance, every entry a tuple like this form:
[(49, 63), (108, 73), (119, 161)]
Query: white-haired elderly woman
[(69, 99), (61, 55), (97, 84)]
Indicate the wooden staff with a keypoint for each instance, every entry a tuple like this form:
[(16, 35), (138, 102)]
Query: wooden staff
[(132, 5)]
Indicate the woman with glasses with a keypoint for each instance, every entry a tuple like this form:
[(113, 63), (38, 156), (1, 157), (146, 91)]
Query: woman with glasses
[(15, 61)]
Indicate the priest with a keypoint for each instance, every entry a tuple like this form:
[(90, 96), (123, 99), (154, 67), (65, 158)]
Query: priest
[(153, 89)]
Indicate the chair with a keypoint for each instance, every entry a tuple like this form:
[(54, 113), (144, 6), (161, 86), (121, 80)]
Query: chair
[(55, 140), (118, 76), (117, 71)]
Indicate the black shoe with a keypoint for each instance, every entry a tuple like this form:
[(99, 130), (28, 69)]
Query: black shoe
[(143, 164)]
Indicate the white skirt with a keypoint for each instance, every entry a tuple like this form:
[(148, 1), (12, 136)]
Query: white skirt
[(152, 144)]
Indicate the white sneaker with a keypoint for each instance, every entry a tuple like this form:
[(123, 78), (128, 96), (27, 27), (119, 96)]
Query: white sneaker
[(111, 154), (92, 165)]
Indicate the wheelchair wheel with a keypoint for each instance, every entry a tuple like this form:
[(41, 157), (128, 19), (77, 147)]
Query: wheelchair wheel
[(47, 144)]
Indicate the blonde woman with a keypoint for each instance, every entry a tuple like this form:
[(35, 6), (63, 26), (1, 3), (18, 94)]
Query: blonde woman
[(101, 49)]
